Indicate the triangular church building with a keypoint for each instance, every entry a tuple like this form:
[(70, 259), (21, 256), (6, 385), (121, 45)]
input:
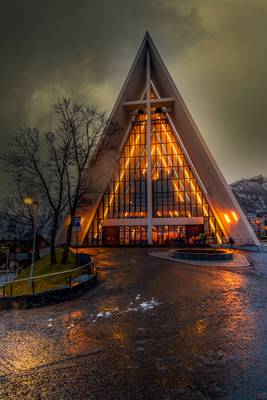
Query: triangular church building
[(157, 184)]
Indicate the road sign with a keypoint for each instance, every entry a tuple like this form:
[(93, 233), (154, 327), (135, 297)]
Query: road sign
[(76, 223)]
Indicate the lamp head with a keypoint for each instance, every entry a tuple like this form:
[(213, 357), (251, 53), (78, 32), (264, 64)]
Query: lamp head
[(28, 201)]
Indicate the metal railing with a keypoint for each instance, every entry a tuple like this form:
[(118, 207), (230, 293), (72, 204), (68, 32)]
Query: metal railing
[(69, 280)]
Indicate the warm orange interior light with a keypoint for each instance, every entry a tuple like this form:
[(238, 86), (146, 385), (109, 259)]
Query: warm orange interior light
[(168, 170), (205, 211), (121, 177), (185, 171), (212, 225), (235, 216), (123, 172), (193, 188), (227, 219), (162, 151), (218, 238)]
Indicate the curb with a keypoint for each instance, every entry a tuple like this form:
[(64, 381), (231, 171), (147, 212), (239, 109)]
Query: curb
[(48, 297)]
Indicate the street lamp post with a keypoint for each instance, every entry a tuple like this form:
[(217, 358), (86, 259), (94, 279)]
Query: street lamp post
[(34, 204)]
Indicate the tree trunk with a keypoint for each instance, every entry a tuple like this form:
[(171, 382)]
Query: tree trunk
[(37, 251), (68, 243), (53, 257)]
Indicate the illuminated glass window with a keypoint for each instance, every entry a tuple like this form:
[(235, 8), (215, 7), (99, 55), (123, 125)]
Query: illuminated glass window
[(175, 191), (126, 195)]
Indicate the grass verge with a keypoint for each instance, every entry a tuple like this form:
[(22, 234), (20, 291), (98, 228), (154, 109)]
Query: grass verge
[(43, 267)]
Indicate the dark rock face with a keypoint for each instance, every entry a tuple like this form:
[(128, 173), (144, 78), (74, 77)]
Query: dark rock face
[(251, 194)]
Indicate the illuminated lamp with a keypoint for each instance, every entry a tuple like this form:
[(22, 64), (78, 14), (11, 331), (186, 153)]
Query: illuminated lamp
[(235, 216), (28, 201), (227, 219)]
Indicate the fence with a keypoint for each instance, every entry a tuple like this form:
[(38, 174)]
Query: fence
[(39, 283)]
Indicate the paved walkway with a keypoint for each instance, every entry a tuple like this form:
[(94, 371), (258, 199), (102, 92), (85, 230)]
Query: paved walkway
[(152, 329)]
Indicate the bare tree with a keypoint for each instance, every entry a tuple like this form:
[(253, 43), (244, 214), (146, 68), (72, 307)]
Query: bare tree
[(84, 126), (54, 164), (41, 160), (19, 217)]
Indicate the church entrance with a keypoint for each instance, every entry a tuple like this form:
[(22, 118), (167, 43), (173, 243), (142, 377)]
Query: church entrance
[(177, 235), (111, 236)]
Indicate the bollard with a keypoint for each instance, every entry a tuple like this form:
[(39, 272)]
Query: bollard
[(4, 290), (70, 281), (32, 286), (11, 287)]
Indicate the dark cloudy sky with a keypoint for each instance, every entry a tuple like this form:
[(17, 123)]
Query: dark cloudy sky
[(216, 51)]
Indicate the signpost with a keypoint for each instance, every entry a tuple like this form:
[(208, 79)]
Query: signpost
[(76, 226)]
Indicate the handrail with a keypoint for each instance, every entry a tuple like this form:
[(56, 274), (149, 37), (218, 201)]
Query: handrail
[(47, 275)]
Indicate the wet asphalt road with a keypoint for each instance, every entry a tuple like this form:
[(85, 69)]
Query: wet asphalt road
[(206, 339)]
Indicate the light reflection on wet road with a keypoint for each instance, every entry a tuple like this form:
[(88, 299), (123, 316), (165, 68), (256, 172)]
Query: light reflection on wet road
[(206, 339)]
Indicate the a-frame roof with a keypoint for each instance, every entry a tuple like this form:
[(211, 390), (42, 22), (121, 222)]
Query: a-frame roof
[(102, 164)]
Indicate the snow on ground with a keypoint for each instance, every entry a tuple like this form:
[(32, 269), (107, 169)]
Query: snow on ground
[(104, 314), (149, 305), (138, 305)]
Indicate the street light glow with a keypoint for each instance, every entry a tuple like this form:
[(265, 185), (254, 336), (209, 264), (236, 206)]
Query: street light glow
[(235, 216), (28, 201), (227, 218)]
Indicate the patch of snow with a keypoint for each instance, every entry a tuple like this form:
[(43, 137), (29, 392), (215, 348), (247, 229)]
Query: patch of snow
[(99, 315), (144, 305), (103, 314), (132, 309), (149, 305)]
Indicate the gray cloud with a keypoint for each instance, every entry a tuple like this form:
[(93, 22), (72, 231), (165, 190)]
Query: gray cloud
[(215, 51)]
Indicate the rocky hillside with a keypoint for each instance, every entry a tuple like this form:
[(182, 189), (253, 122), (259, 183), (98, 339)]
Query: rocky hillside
[(251, 194)]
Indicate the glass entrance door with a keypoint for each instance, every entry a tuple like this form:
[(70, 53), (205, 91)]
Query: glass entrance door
[(111, 235), (192, 234), (176, 235)]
